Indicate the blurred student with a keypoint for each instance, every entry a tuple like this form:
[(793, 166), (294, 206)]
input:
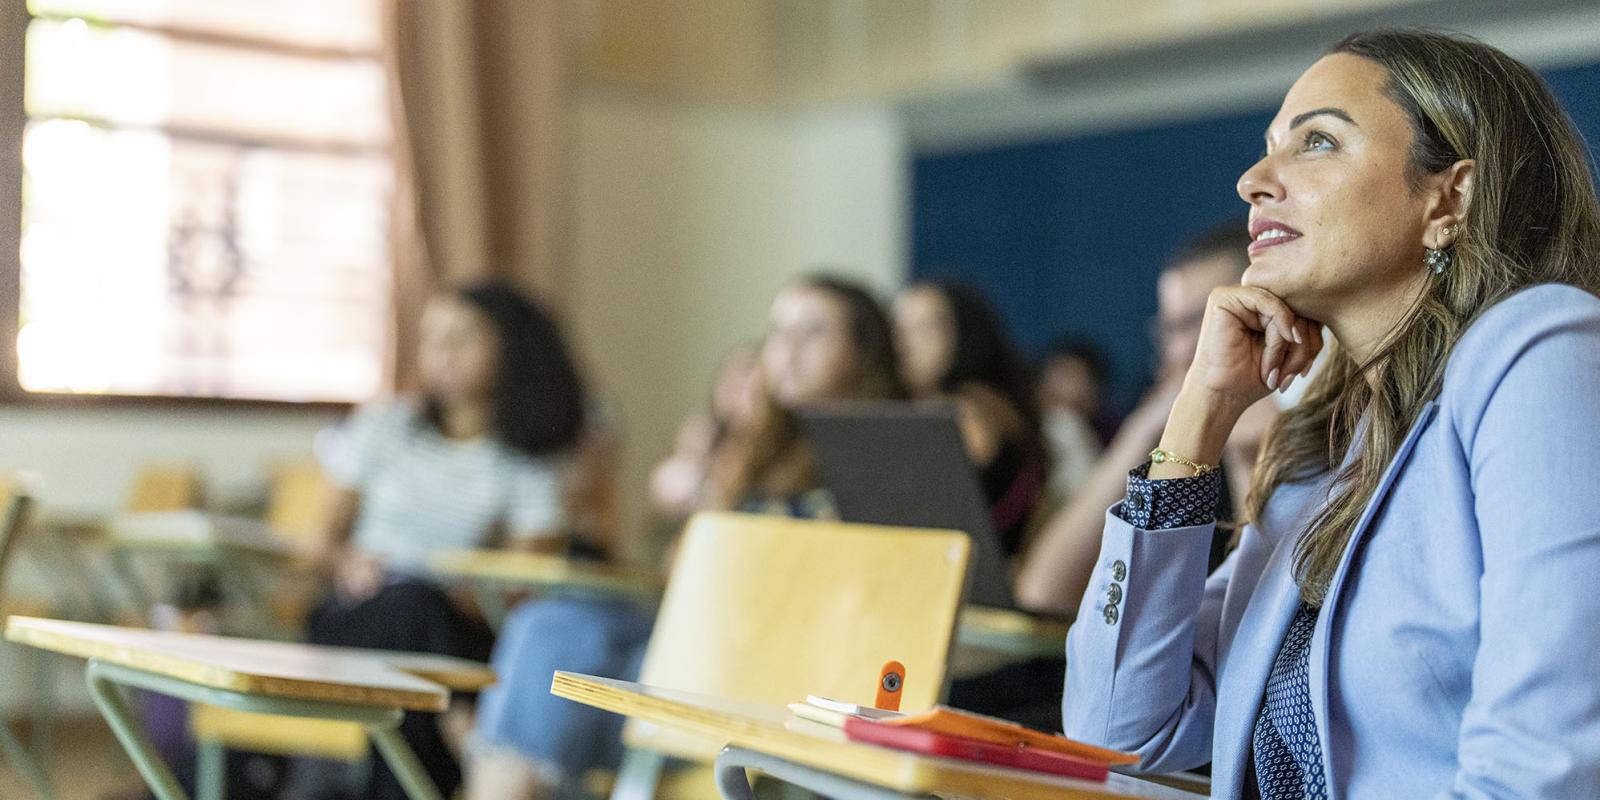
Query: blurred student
[(681, 484), (1058, 564), (1073, 376), (828, 340), (952, 347), (476, 459), (1071, 389)]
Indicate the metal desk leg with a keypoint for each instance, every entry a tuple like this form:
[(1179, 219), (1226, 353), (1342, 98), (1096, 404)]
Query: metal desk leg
[(144, 602), (407, 768), (491, 601), (639, 775), (84, 596), (211, 770), (105, 682), (25, 764), (125, 724), (42, 725), (734, 785)]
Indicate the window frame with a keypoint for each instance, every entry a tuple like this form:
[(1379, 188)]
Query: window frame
[(14, 21)]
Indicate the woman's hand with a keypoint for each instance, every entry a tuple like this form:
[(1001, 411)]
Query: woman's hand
[(1251, 344), (357, 577)]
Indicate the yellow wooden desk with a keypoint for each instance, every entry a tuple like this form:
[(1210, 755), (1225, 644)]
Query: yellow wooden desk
[(74, 541), (196, 531), (492, 573), (239, 547), (371, 688), (1011, 632), (820, 758)]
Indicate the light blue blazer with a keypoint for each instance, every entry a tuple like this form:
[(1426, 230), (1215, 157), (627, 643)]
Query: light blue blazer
[(1458, 652)]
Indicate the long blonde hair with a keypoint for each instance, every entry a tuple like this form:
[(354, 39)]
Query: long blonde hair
[(1532, 218), (771, 460)]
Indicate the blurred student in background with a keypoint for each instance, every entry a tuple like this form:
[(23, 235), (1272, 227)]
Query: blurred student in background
[(681, 483), (1058, 564), (476, 459), (1071, 389), (828, 340), (1072, 376), (953, 347)]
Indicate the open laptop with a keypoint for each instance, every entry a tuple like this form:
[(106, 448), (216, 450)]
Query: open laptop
[(889, 463)]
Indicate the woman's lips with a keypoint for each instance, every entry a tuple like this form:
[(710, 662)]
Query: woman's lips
[(1262, 244), (1265, 233)]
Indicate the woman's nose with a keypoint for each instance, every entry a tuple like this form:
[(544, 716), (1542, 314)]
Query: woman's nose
[(1260, 183)]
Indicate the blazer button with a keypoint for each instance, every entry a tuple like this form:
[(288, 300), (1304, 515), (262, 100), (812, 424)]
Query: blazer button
[(1111, 615), (1114, 594), (1137, 502), (1119, 570)]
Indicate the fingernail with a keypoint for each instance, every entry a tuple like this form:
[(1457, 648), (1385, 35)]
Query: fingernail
[(1272, 378), (1287, 383), (1307, 370), (1296, 332)]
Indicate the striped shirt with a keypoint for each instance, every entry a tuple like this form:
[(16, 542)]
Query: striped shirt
[(422, 493)]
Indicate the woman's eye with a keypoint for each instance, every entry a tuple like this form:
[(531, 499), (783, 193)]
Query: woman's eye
[(1317, 141)]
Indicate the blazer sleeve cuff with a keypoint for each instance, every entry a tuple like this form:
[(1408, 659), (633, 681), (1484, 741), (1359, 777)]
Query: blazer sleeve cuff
[(1157, 505), (1134, 629)]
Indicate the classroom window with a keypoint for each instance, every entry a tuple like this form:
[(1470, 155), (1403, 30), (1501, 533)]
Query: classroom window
[(205, 200)]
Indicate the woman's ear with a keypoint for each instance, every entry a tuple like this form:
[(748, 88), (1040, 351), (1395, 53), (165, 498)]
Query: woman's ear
[(1453, 196)]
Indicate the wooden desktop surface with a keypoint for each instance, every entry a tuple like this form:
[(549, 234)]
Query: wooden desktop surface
[(538, 571), (774, 731), (192, 530), (1010, 631), (411, 681), (981, 627)]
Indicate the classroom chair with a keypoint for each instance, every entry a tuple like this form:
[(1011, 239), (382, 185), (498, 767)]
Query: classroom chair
[(16, 504), (770, 610), (298, 502), (295, 508), (164, 488), (155, 488)]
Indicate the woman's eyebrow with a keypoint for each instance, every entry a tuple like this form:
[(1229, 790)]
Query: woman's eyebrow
[(1331, 112)]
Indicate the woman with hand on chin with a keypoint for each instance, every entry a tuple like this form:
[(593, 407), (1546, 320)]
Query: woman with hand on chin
[(1403, 616)]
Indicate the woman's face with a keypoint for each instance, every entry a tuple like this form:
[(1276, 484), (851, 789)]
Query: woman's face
[(925, 335), (807, 355), (1337, 224), (459, 355), (1068, 382)]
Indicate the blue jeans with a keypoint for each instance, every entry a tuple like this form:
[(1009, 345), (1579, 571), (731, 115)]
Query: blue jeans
[(595, 637)]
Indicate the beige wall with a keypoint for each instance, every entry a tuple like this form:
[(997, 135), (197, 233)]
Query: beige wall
[(690, 218)]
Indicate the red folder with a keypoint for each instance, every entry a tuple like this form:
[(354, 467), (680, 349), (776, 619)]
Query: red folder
[(926, 742)]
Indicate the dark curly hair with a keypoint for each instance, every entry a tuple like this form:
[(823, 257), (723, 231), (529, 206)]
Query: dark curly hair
[(539, 400)]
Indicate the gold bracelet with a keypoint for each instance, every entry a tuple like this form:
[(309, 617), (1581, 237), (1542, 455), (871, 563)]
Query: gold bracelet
[(1159, 456)]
